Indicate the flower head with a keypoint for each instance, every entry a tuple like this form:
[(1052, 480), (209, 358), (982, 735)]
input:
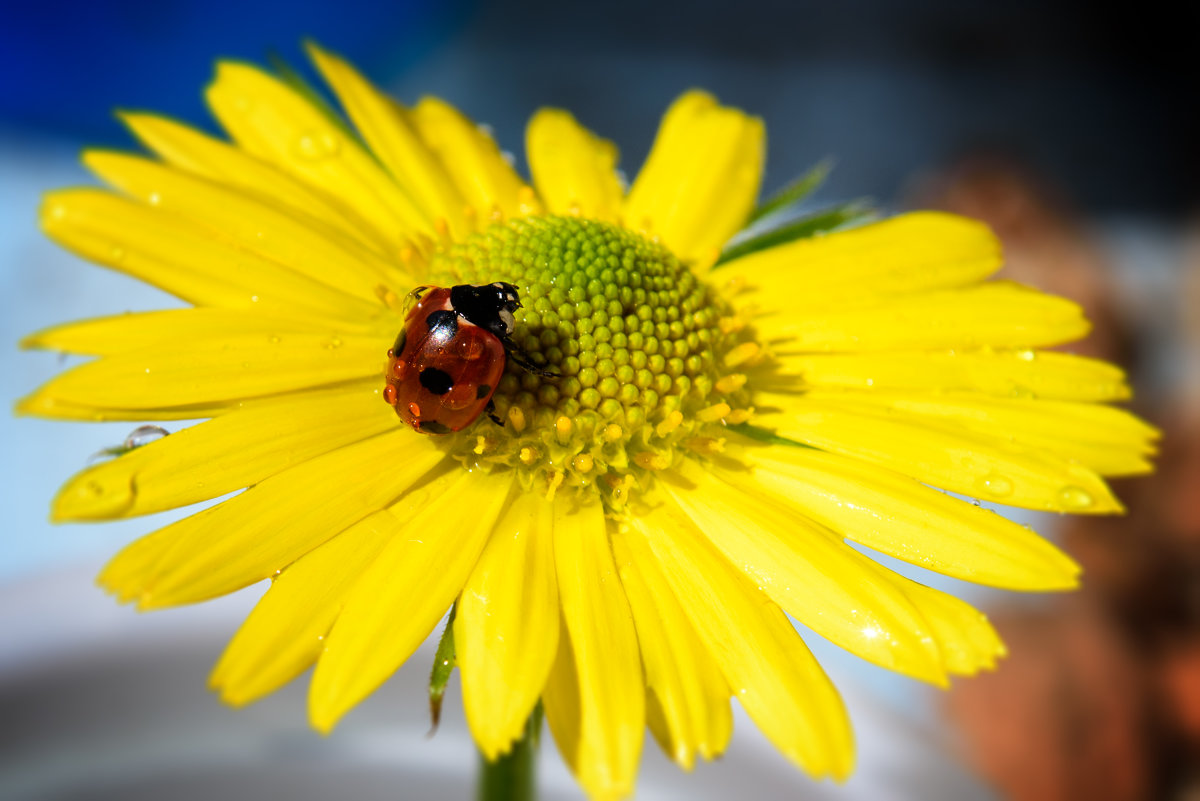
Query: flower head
[(686, 435)]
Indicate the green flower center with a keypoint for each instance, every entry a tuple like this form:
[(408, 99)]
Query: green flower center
[(637, 340)]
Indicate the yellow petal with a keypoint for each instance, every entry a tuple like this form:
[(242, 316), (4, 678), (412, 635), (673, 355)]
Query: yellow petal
[(689, 695), (224, 454), (285, 633), (125, 573), (399, 599), (471, 158), (122, 333), (943, 454), (772, 673), (905, 519), (602, 637), (187, 149), (826, 585), (701, 178), (998, 314), (270, 525), (385, 126), (574, 170), (506, 628), (40, 404), (1015, 373), (295, 239), (561, 702), (966, 639), (218, 370), (278, 125), (185, 259), (1108, 440), (908, 253)]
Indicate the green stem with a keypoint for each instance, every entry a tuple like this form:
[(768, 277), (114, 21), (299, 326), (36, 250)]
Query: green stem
[(513, 776)]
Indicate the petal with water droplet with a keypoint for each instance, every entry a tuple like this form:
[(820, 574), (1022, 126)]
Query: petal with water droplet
[(764, 660)]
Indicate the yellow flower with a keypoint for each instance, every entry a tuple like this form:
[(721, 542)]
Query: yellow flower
[(626, 545)]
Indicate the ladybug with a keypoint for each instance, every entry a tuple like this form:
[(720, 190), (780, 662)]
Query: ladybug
[(445, 365)]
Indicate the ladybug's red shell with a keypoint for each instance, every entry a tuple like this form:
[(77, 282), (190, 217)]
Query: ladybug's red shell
[(443, 369)]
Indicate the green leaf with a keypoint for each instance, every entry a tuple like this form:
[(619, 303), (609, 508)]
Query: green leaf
[(443, 666), (794, 192), (800, 228)]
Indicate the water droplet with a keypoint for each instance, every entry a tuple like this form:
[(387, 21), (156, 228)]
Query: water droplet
[(274, 340), (144, 435), (154, 199), (116, 254), (317, 145), (995, 485), (1022, 391), (1026, 355), (1074, 497)]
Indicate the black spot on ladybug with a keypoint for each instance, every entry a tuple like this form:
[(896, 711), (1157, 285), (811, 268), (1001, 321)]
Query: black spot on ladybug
[(443, 320), (432, 427), (436, 381), (401, 341), (482, 391)]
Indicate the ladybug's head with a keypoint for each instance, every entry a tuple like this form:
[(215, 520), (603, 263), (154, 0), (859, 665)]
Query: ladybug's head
[(490, 306)]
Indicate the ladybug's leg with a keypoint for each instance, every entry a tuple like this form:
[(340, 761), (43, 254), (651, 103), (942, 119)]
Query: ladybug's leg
[(490, 411), (522, 360)]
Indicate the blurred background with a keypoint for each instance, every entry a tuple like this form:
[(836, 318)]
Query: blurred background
[(1071, 130)]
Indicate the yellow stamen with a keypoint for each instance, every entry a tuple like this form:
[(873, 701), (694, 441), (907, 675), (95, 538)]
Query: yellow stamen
[(739, 416), (652, 461), (741, 354), (713, 413), (729, 325), (706, 446), (670, 424), (730, 383), (556, 480)]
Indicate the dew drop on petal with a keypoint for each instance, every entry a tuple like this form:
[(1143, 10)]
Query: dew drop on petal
[(995, 485), (144, 435), (316, 145), (1074, 497)]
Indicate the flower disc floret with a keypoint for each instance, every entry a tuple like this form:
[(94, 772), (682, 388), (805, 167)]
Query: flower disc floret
[(633, 336)]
